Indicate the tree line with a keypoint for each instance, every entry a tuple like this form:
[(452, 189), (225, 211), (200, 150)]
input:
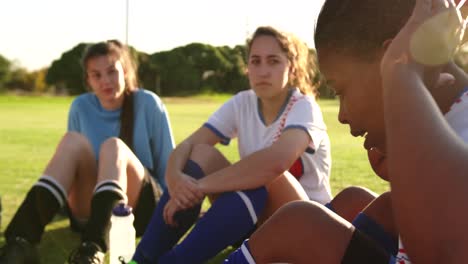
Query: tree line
[(191, 69)]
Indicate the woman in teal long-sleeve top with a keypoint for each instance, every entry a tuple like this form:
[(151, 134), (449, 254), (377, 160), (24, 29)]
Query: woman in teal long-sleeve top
[(116, 148)]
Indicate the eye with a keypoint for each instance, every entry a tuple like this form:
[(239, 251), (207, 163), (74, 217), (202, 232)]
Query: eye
[(112, 71), (254, 61), (273, 61), (95, 76)]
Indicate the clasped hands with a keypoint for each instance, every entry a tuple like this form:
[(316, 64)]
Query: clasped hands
[(185, 193)]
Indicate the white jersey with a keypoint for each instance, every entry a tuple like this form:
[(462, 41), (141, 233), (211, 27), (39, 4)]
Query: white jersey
[(458, 120), (240, 117)]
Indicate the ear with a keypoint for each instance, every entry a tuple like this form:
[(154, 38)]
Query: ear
[(383, 48), (292, 70), (386, 44)]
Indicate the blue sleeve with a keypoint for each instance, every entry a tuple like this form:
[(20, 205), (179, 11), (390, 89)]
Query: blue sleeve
[(73, 120), (163, 144)]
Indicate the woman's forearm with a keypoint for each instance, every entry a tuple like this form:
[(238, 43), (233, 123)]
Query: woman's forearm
[(251, 172), (177, 160)]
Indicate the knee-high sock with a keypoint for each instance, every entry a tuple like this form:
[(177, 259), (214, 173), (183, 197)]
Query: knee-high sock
[(330, 206), (230, 217), (376, 232), (160, 237), (106, 196), (241, 255), (38, 208)]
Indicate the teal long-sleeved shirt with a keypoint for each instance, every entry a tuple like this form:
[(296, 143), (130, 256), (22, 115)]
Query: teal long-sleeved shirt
[(152, 141)]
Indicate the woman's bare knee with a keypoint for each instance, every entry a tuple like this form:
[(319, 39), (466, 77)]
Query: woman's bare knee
[(307, 230), (119, 163), (380, 210), (282, 190), (73, 143), (112, 146), (73, 155), (352, 200)]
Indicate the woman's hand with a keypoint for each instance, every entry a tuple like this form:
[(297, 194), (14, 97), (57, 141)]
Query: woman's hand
[(169, 211), (185, 191), (426, 43)]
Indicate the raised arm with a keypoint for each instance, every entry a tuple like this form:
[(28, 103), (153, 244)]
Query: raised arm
[(427, 161)]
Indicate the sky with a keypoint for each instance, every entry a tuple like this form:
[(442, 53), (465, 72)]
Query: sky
[(33, 33)]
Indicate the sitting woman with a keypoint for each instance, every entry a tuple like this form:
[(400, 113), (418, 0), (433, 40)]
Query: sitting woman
[(284, 156), (116, 148)]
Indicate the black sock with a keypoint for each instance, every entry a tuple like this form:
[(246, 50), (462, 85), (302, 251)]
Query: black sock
[(38, 208), (105, 198)]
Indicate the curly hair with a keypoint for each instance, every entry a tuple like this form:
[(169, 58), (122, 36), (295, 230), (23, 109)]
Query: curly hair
[(302, 63)]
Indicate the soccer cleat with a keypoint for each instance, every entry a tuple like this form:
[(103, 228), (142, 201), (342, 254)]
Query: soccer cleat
[(19, 251), (87, 253)]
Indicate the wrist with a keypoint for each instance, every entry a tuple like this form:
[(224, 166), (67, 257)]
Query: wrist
[(400, 71)]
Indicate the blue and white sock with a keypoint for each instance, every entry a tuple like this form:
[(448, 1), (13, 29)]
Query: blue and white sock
[(232, 216), (375, 231), (159, 237), (241, 255), (329, 205)]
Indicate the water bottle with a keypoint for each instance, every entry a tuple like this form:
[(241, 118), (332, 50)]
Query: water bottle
[(121, 235)]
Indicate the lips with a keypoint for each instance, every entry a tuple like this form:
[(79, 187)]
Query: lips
[(364, 134), (262, 84), (108, 91), (367, 144)]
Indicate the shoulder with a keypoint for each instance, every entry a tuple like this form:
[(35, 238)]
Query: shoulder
[(306, 109), (244, 97), (301, 100), (82, 100), (147, 99)]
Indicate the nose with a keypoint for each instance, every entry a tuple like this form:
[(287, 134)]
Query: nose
[(342, 118), (263, 70), (105, 79)]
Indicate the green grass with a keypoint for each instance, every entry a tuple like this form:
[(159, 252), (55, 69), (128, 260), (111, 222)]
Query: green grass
[(30, 128)]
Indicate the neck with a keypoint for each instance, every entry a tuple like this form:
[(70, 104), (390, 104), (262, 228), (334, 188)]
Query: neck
[(270, 107), (447, 95)]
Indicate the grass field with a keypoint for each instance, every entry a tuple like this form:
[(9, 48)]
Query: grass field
[(30, 128)]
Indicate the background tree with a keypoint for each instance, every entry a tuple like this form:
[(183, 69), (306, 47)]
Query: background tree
[(66, 73), (191, 69), (4, 72)]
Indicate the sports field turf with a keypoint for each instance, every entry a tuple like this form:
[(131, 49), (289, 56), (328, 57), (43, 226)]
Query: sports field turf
[(30, 128)]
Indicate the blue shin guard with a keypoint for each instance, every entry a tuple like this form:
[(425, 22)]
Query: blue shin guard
[(376, 232), (230, 218), (159, 237), (242, 255)]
